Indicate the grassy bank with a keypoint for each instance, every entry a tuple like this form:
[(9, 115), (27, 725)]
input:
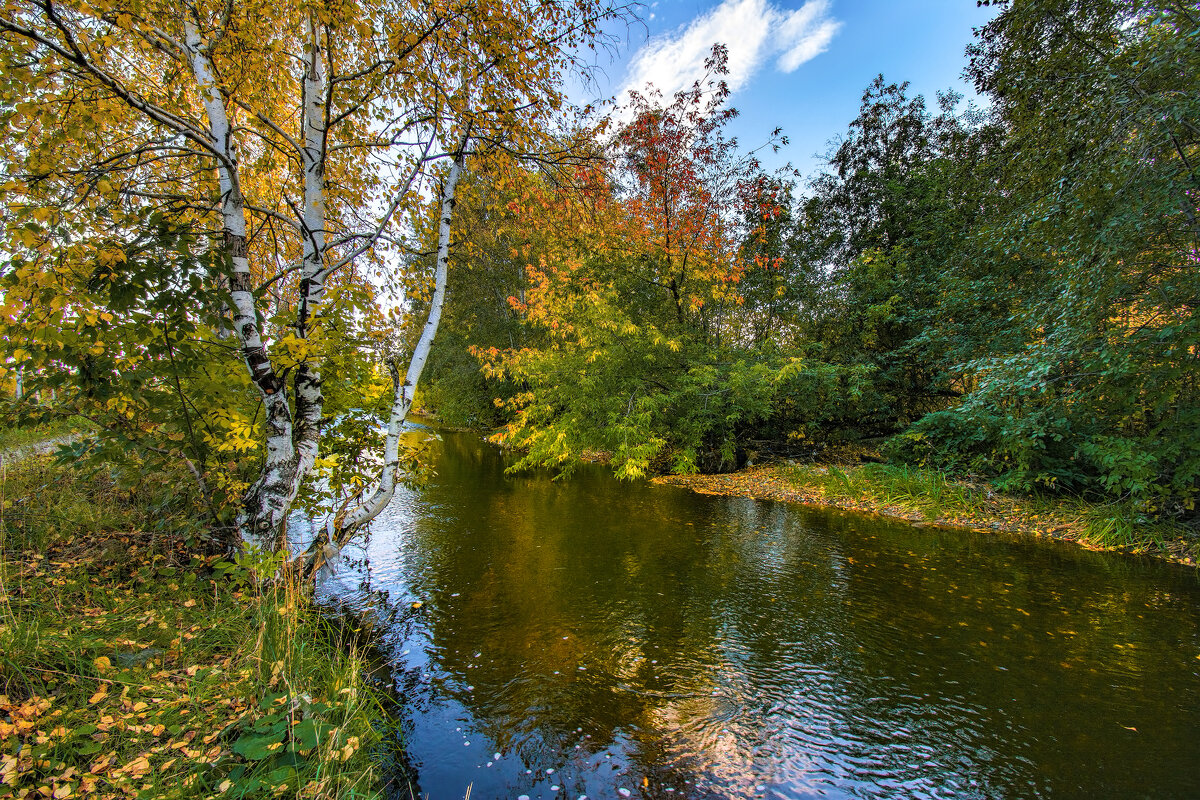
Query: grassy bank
[(930, 497), (131, 667)]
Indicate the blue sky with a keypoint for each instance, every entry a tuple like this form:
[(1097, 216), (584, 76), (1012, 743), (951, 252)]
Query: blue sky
[(799, 65)]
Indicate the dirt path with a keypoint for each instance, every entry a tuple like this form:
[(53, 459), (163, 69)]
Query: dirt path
[(44, 447)]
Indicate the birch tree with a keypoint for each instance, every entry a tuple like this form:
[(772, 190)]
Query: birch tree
[(299, 137)]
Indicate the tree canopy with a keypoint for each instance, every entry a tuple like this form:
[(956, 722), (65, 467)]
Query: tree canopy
[(205, 202), (281, 155), (1007, 291)]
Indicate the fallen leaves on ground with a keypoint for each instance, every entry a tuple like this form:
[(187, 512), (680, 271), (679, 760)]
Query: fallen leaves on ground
[(133, 677)]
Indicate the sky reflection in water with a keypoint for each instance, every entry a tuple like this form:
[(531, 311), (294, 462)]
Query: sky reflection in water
[(647, 639)]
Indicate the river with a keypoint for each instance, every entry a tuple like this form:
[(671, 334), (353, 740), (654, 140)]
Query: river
[(611, 639)]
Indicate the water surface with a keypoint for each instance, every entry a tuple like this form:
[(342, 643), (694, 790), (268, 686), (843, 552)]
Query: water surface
[(593, 637)]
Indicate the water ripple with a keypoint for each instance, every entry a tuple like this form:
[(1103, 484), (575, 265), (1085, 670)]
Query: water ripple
[(600, 636)]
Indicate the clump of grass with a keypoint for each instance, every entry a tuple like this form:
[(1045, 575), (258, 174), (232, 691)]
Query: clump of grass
[(131, 665), (1121, 527), (925, 491), (928, 491)]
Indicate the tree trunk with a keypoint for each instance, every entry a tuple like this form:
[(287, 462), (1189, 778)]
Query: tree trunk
[(266, 504), (351, 520), (309, 401)]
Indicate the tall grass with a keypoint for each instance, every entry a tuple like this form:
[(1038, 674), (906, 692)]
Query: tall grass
[(926, 491), (1119, 526), (934, 495), (15, 438), (130, 663)]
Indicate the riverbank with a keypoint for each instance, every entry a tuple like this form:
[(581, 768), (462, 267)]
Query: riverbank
[(925, 497), (129, 666)]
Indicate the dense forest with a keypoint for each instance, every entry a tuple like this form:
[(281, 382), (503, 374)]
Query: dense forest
[(1007, 291), (198, 263)]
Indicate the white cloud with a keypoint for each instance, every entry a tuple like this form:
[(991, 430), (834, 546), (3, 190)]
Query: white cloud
[(752, 30)]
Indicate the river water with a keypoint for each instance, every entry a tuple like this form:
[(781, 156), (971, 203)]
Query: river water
[(609, 639)]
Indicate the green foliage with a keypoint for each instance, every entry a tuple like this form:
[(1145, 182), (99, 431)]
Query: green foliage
[(1100, 391), (44, 501), (124, 331), (904, 189), (347, 344), (947, 440)]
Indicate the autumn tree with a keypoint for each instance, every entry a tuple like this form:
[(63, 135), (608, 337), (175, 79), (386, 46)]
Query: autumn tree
[(294, 141), (691, 196), (635, 342)]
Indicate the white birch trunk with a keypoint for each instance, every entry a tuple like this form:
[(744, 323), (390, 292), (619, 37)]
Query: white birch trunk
[(344, 525), (267, 502), (309, 401)]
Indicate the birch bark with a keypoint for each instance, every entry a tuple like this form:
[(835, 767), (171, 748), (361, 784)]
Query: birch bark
[(309, 401), (269, 498), (345, 524)]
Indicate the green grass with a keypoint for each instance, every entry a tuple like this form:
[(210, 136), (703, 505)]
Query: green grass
[(925, 491), (130, 665), (934, 495), (1119, 526)]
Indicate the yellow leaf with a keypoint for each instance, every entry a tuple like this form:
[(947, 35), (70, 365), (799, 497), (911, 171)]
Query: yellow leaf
[(102, 664)]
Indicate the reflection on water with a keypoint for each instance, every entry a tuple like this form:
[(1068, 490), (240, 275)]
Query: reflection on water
[(590, 637)]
